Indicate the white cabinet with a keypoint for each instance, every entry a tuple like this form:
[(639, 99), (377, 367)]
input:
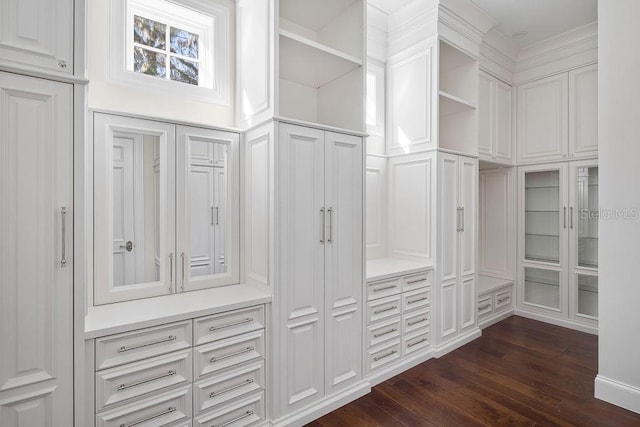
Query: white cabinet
[(36, 251), (457, 196), (319, 269), (494, 120), (583, 111), (495, 300), (37, 33)]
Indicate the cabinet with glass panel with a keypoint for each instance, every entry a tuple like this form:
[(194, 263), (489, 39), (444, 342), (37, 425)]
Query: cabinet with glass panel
[(558, 248)]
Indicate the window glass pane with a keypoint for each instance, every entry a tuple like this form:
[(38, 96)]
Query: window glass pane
[(184, 43), (184, 71), (542, 216), (542, 287), (149, 62), (149, 32), (588, 217), (588, 295)]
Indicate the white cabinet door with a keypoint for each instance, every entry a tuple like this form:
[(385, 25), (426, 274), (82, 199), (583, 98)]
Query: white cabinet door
[(486, 117), (37, 33), (583, 111), (467, 200), (301, 233), (502, 131), (467, 303), (543, 120), (449, 216), (36, 229), (344, 260)]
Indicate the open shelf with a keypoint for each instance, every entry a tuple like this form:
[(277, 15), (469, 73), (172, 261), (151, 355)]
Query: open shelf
[(489, 284), (451, 104)]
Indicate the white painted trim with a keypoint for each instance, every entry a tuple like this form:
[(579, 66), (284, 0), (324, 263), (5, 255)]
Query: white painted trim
[(492, 320), (405, 364), (565, 323), (38, 72), (456, 343), (617, 393)]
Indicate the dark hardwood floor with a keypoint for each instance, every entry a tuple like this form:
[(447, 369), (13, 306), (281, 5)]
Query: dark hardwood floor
[(519, 373)]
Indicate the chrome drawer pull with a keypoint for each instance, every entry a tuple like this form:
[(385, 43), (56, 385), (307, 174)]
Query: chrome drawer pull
[(383, 289), (126, 386), (416, 343), (503, 299), (228, 423), (417, 300), (226, 356), (384, 356), (63, 236), (144, 420), (484, 307), (330, 210), (424, 319), (233, 387), (385, 310), (124, 348), (381, 334), (324, 225), (411, 282), (228, 325)]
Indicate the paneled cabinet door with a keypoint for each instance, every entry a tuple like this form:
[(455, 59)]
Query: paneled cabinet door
[(543, 120), (486, 117), (302, 227), (344, 260), (583, 111), (502, 133), (494, 119), (36, 253), (37, 33)]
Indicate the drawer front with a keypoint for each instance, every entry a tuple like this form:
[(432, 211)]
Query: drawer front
[(382, 309), (415, 300), (383, 356), (222, 389), (167, 409), (220, 355), (503, 300), (382, 332), (417, 281), (132, 346), (229, 324), (139, 379), (485, 305), (416, 342), (245, 412), (416, 321), (383, 289)]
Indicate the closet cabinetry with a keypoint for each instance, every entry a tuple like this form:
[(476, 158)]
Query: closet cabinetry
[(494, 120), (36, 251), (37, 35)]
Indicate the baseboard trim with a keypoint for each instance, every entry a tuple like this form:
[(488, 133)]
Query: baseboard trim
[(322, 407), (556, 321), (457, 342), (617, 393), (377, 377), (492, 320)]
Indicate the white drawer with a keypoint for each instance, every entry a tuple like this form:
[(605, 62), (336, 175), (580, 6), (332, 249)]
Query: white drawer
[(167, 409), (138, 379), (485, 305), (384, 308), (221, 389), (129, 347), (382, 332), (415, 300), (383, 289), (220, 355), (503, 300), (245, 412), (417, 281), (416, 321), (229, 324), (416, 342), (383, 356)]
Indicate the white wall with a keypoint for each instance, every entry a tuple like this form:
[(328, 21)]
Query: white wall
[(108, 95), (618, 378)]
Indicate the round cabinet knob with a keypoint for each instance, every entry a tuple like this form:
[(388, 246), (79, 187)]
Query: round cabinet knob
[(62, 64)]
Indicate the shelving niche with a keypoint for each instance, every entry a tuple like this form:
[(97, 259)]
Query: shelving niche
[(321, 50), (458, 98)]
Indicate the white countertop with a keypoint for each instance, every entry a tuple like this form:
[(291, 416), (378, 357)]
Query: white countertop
[(488, 283), (126, 316), (383, 268)]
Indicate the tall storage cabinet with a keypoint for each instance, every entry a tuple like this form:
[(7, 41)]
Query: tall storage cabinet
[(36, 252), (319, 235)]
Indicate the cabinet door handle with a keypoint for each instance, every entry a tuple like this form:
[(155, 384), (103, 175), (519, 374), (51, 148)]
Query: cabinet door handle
[(182, 261), (126, 386), (411, 282), (385, 310), (63, 239), (124, 349), (417, 300), (323, 223), (212, 221), (381, 334), (228, 423), (151, 417), (229, 325), (424, 319), (483, 307), (416, 343), (503, 299), (170, 271), (564, 225), (462, 219), (384, 356), (330, 225), (217, 215), (571, 216), (384, 288), (231, 388), (226, 356), (458, 219)]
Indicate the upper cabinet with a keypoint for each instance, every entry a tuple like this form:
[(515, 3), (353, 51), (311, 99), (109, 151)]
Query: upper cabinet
[(494, 120), (557, 117), (37, 33)]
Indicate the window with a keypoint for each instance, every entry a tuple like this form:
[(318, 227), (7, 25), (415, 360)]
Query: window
[(170, 46)]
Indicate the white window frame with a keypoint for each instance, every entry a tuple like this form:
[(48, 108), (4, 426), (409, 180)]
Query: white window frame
[(205, 18)]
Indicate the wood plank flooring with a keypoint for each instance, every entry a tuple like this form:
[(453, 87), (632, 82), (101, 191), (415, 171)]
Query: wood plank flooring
[(519, 373)]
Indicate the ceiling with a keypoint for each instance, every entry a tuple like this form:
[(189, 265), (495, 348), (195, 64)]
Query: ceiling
[(542, 19), (388, 6)]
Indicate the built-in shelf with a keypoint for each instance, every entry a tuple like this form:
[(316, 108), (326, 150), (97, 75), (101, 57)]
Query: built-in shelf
[(382, 268), (490, 284), (541, 186), (542, 235), (540, 211), (451, 104), (540, 259), (310, 63)]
